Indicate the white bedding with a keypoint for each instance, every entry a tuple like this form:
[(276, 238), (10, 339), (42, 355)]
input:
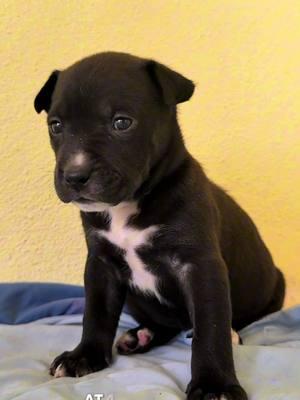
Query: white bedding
[(269, 372)]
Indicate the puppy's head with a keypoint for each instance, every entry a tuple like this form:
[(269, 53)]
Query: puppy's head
[(110, 118)]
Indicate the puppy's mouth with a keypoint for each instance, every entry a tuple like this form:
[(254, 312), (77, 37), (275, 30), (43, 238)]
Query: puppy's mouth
[(97, 195), (84, 200), (88, 205)]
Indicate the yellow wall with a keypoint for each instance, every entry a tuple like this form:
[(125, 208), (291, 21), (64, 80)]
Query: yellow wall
[(243, 122)]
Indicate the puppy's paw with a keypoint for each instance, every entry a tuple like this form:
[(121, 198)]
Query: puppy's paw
[(134, 341), (235, 392), (235, 338), (76, 364)]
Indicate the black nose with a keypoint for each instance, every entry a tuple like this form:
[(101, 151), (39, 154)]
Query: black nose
[(77, 177)]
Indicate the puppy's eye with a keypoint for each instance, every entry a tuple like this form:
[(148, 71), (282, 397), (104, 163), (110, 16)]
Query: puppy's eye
[(55, 127), (122, 123)]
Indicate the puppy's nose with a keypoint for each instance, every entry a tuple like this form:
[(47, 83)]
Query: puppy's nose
[(77, 176)]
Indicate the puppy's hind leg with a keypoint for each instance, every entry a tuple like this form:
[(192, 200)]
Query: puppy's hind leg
[(142, 339)]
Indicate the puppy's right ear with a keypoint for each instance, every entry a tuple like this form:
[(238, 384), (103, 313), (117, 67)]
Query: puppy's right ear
[(43, 98), (174, 87)]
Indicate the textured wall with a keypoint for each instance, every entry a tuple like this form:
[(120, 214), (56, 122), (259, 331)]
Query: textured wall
[(242, 123)]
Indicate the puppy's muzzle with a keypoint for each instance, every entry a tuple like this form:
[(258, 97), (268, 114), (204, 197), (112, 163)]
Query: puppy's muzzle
[(90, 181)]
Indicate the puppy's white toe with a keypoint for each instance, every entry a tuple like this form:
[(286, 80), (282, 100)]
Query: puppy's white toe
[(145, 336), (235, 339), (60, 371)]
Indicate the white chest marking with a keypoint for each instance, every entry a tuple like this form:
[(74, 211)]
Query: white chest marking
[(130, 239)]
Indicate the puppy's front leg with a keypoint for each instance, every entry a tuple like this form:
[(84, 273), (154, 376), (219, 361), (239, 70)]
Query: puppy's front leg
[(105, 295), (206, 288)]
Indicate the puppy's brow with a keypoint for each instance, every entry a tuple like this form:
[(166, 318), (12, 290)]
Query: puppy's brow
[(105, 109), (84, 85), (81, 89)]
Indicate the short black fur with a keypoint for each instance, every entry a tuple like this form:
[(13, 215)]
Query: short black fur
[(213, 269)]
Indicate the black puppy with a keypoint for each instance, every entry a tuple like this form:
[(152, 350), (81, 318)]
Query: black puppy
[(160, 235)]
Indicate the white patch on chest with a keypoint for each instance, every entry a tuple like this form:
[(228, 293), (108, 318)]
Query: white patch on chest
[(130, 239)]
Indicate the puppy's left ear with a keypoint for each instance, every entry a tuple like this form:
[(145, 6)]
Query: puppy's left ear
[(43, 98), (173, 87)]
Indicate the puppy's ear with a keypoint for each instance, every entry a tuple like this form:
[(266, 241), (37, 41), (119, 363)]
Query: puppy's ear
[(174, 87), (43, 98)]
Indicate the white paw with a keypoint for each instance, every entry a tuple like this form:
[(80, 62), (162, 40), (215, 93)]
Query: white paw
[(134, 340)]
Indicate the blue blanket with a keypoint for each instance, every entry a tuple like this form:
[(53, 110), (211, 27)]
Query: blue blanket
[(268, 364), (25, 302)]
